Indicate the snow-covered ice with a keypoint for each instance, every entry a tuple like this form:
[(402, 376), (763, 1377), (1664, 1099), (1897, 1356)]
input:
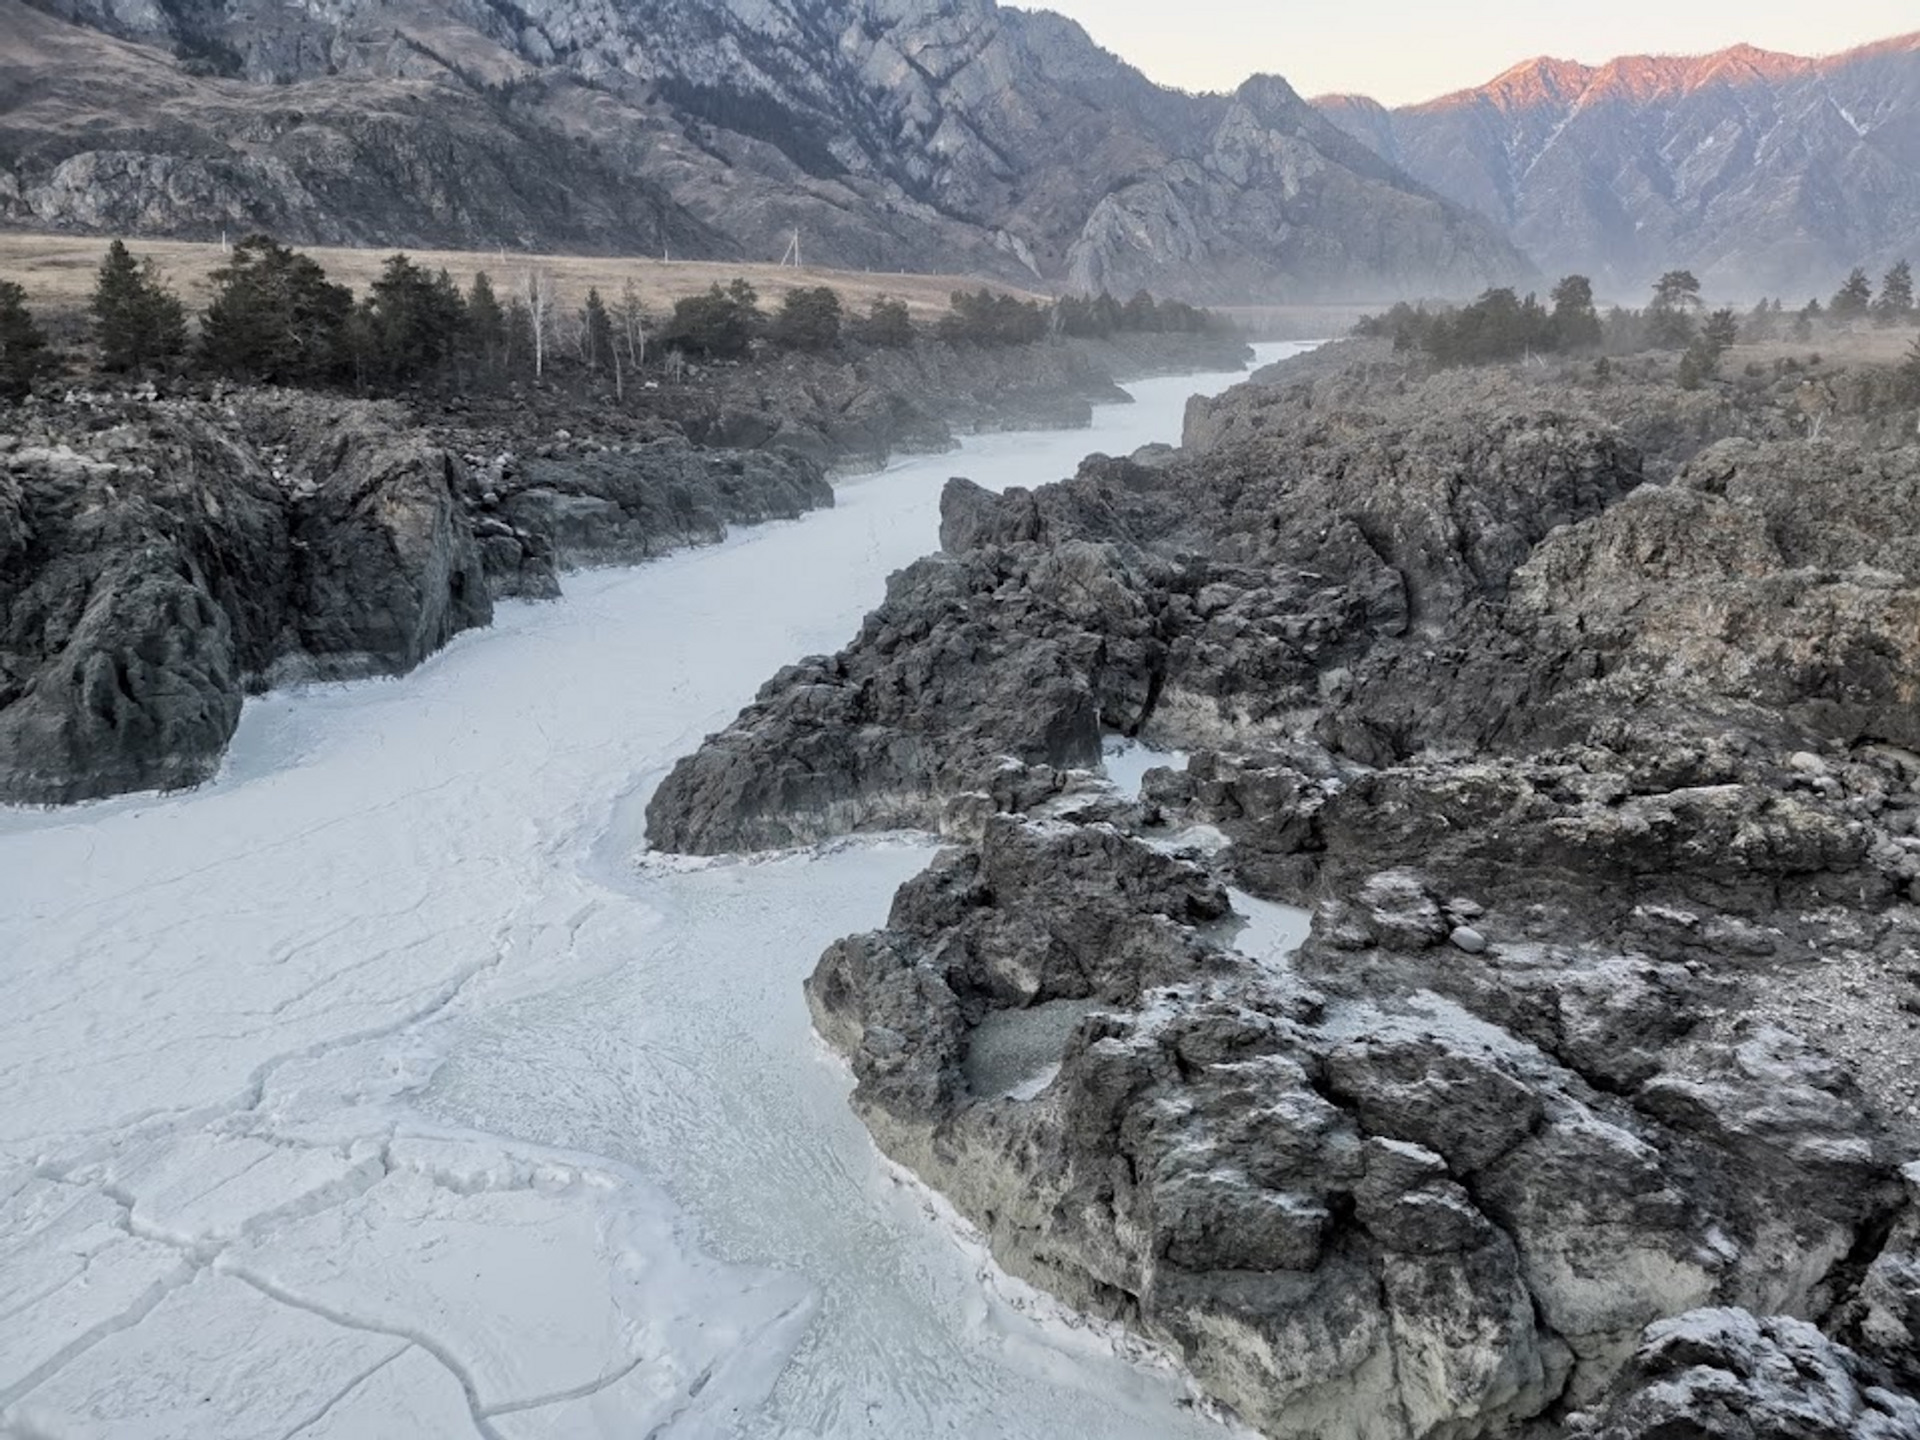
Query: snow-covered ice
[(374, 1090)]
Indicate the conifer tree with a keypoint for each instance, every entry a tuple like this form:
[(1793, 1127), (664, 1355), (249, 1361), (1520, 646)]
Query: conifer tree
[(1676, 296), (136, 320), (1576, 324), (23, 348), (1720, 333), (888, 324), (413, 323), (275, 317), (809, 319), (596, 332), (1853, 298), (1895, 305), (486, 325)]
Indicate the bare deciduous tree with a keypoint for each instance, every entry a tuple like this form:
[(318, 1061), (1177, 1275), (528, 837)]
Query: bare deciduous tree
[(538, 289), (631, 322)]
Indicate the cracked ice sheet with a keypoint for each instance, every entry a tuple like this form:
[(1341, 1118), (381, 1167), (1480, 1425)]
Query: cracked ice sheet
[(213, 1358), (69, 1271), (220, 1013), (604, 1300)]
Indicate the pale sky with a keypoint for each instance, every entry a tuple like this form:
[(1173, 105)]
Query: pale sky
[(1406, 50)]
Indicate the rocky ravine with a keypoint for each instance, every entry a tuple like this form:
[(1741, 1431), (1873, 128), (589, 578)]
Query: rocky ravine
[(160, 558), (1583, 718)]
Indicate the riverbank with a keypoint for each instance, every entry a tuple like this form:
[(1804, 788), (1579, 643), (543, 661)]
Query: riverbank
[(166, 554), (372, 1083)]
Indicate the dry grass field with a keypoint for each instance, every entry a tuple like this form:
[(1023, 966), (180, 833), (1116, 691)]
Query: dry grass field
[(58, 272)]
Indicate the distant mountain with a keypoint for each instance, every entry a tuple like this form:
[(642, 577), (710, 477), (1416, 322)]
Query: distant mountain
[(893, 134), (1765, 173)]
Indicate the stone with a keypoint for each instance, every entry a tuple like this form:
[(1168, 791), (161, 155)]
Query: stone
[(1488, 634)]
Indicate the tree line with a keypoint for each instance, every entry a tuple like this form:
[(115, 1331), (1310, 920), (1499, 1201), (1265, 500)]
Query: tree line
[(275, 317), (1503, 325)]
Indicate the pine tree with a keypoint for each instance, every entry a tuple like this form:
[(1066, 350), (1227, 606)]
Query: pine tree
[(23, 348), (1576, 324), (276, 318), (719, 324), (809, 319), (1895, 305), (522, 344), (1720, 333), (596, 333), (1907, 378), (414, 323), (1853, 298), (136, 320), (888, 324), (1697, 365), (1676, 296), (486, 326)]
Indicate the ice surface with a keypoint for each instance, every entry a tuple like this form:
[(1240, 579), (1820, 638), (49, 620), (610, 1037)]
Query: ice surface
[(372, 1090), (1128, 761)]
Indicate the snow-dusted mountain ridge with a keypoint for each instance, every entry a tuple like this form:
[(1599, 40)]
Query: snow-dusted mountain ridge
[(1767, 173)]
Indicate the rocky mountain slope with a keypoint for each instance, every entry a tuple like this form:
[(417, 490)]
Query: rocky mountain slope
[(893, 134), (1580, 716), (1767, 174)]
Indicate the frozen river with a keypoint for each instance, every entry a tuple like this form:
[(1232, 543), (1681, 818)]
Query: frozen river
[(377, 1090)]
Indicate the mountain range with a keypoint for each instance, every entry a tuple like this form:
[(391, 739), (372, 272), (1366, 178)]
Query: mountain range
[(1765, 173), (938, 135)]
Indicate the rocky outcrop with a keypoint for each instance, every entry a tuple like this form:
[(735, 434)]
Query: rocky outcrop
[(1352, 1208), (881, 130), (1577, 716), (1765, 173), (1725, 1375), (164, 558)]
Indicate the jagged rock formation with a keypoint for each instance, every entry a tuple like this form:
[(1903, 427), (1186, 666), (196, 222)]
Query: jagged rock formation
[(161, 558), (894, 133), (1767, 174), (1580, 716), (1696, 1376)]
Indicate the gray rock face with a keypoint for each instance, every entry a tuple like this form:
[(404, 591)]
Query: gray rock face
[(1353, 1210), (1577, 718), (1765, 173), (1726, 1375), (958, 138), (163, 558)]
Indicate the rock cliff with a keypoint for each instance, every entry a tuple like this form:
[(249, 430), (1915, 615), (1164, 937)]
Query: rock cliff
[(162, 557), (1579, 715)]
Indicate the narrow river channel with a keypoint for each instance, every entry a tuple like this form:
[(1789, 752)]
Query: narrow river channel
[(382, 1089)]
